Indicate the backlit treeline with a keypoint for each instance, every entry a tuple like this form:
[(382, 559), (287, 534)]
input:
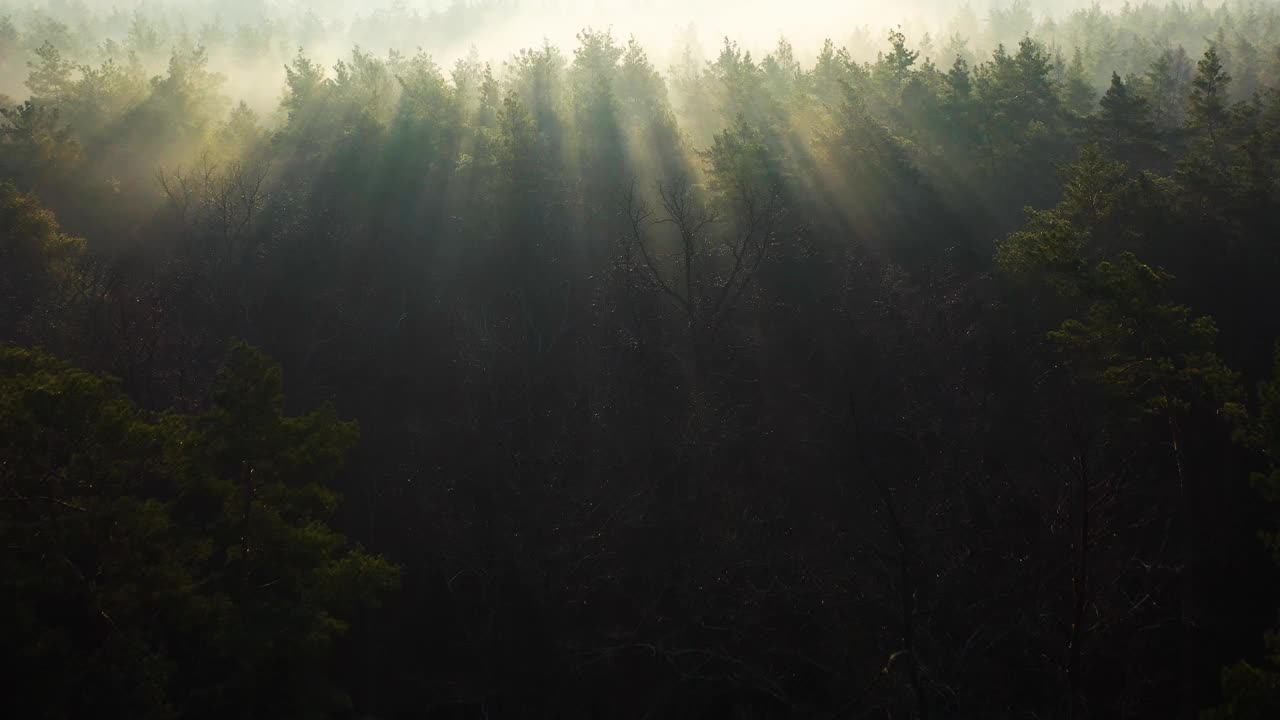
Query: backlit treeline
[(909, 374)]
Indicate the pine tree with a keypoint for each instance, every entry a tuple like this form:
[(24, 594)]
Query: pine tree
[(172, 565), (1124, 124), (1079, 95), (1252, 691), (1168, 81), (895, 67), (1208, 105), (50, 80)]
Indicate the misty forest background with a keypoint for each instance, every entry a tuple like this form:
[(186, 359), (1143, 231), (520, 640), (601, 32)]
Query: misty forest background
[(913, 374)]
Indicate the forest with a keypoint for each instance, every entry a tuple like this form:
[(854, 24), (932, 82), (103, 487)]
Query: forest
[(497, 359)]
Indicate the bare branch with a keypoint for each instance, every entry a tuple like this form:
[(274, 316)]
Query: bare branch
[(638, 214)]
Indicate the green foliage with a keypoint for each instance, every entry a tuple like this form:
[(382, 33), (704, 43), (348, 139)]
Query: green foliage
[(785, 79), (742, 168), (895, 66), (305, 80), (172, 566), (1267, 439), (833, 72), (1022, 116), (50, 80), (104, 94), (1127, 337), (38, 146), (739, 82), (1208, 103), (593, 77), (37, 263), (1124, 125), (1019, 89), (143, 37), (90, 567), (1132, 341), (1055, 243), (1252, 691), (604, 328), (538, 79), (1079, 94), (1167, 84)]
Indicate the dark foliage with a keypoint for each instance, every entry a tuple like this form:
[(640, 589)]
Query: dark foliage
[(935, 385)]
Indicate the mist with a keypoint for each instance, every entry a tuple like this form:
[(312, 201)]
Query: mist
[(653, 359), (257, 36)]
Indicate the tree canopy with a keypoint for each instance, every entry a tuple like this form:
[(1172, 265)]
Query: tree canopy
[(924, 370)]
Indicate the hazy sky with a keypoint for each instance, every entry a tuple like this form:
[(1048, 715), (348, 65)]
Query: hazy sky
[(660, 25), (752, 21), (756, 23)]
